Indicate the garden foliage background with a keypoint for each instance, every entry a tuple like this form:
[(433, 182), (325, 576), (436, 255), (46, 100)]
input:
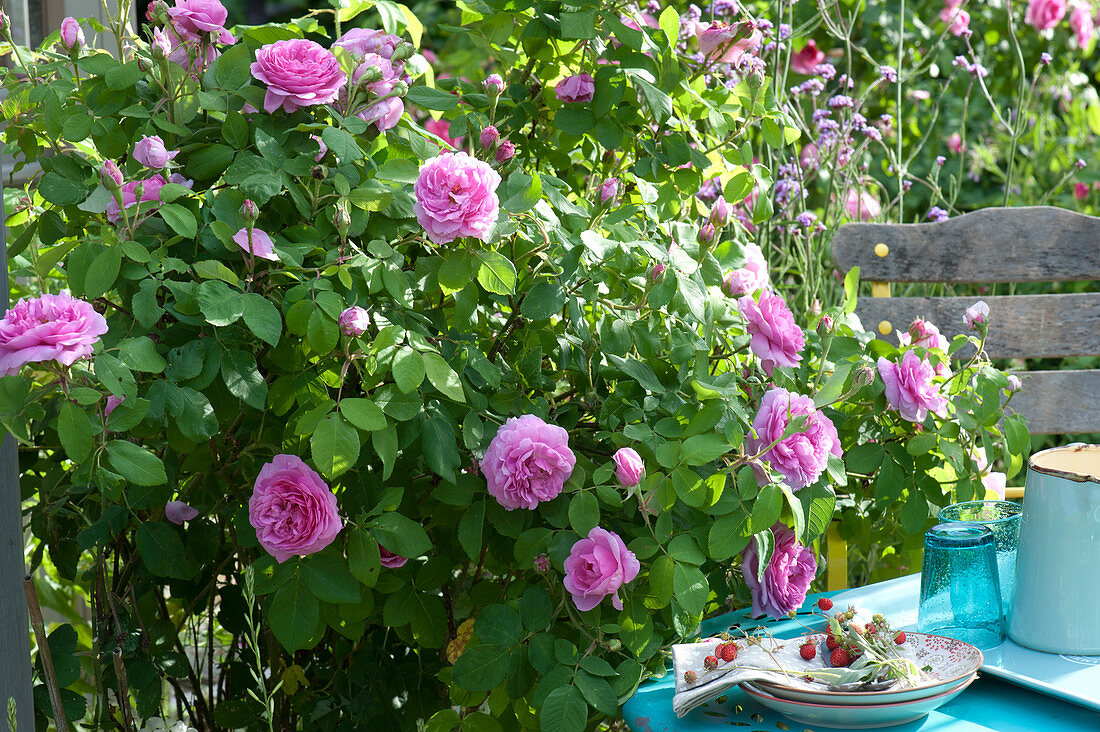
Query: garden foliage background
[(608, 299)]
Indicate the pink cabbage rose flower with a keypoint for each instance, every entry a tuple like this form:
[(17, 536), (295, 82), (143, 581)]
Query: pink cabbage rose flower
[(800, 458), (177, 512), (354, 321), (727, 43), (786, 578), (293, 511), (260, 245), (955, 143), (976, 315), (72, 35), (720, 212), (361, 41), (505, 152), (527, 462), (579, 88), (805, 60), (597, 566), (629, 467), (750, 278), (1082, 24), (150, 152), (489, 137), (493, 84), (442, 128), (298, 73), (776, 338), (389, 559), (456, 196), (957, 19), (193, 18), (58, 328), (150, 191), (110, 175), (861, 205), (991, 479), (909, 388), (1044, 14)]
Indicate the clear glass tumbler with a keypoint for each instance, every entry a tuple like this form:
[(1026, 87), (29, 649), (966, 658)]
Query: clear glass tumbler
[(960, 594), (1003, 519)]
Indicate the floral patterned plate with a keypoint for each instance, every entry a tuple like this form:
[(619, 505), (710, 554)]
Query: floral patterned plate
[(857, 716), (951, 661)]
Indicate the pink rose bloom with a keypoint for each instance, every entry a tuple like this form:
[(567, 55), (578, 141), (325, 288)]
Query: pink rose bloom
[(909, 388), (260, 246), (160, 46), (384, 114), (72, 35), (629, 467), (493, 84), (361, 41), (787, 577), (1044, 14), (110, 175), (1082, 24), (298, 73), (456, 196), (442, 128), (957, 19), (193, 18), (609, 189), (48, 328), (863, 206), (505, 152), (727, 43), (579, 88), (293, 511), (112, 402), (389, 559), (1014, 383), (802, 457), (976, 315), (991, 479), (354, 321), (177, 512), (181, 181), (776, 338), (598, 566), (805, 60), (1080, 191), (527, 462), (150, 152), (150, 191), (750, 278), (955, 143), (721, 212)]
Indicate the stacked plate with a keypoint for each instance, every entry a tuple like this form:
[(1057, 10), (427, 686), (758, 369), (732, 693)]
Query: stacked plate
[(953, 665)]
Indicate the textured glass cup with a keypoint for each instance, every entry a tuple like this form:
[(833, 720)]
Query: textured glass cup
[(1003, 519), (960, 595)]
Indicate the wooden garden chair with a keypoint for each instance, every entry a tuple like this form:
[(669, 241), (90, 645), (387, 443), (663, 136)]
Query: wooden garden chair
[(993, 245)]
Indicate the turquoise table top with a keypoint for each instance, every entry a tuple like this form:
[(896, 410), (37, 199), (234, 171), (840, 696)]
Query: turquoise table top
[(990, 704)]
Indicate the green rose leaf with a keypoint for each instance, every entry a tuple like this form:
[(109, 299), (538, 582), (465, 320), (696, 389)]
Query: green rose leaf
[(135, 464)]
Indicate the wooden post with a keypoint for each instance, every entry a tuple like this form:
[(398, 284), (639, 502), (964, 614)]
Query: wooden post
[(15, 649)]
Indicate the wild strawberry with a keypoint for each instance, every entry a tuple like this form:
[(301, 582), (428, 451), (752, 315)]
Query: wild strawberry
[(807, 651), (830, 642), (840, 657), (727, 652), (710, 663), (690, 677), (825, 603), (900, 637)]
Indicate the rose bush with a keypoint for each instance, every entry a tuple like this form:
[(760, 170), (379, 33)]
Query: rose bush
[(391, 409)]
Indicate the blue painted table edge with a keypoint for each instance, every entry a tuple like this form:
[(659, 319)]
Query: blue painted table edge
[(988, 705)]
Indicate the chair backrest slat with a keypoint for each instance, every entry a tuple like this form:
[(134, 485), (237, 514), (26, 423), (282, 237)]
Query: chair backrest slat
[(1023, 244), (1059, 402), (1024, 326)]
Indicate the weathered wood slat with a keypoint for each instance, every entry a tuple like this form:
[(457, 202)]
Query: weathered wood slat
[(1020, 326), (1059, 402), (1023, 244)]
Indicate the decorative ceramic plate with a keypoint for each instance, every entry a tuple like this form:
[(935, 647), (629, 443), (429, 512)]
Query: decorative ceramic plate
[(856, 716), (951, 661)]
